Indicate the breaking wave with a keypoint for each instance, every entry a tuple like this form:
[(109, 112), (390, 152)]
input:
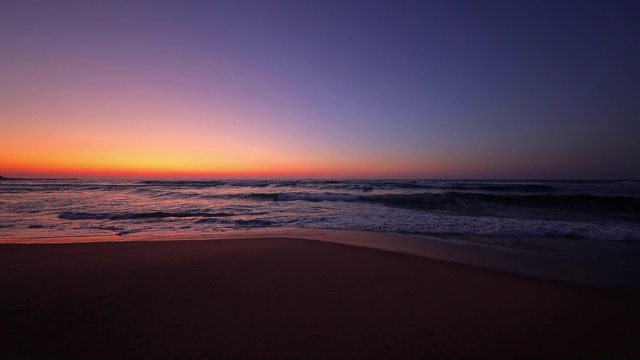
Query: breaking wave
[(130, 216), (461, 200)]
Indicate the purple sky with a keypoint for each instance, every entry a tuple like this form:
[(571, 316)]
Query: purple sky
[(479, 89)]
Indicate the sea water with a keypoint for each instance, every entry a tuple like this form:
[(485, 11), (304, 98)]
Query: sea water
[(581, 231), (597, 210)]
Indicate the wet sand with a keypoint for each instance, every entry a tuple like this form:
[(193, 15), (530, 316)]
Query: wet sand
[(285, 298)]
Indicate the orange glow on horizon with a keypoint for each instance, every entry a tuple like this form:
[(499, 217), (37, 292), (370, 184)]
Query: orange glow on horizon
[(132, 165), (113, 135), (158, 172)]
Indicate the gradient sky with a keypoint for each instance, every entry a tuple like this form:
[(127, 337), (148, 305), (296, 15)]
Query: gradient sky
[(431, 89)]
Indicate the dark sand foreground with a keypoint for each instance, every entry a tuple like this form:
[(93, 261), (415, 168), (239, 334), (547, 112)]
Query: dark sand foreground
[(281, 298)]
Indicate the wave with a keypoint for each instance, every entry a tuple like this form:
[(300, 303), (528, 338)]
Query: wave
[(417, 184), (206, 183), (365, 185), (253, 223), (127, 232), (317, 197), (183, 183), (311, 197), (257, 196), (495, 187), (247, 183), (528, 188), (460, 200), (130, 216)]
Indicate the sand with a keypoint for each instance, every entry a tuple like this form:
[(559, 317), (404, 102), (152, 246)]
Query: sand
[(284, 298)]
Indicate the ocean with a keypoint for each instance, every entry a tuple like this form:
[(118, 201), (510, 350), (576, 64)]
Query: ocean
[(579, 231), (597, 210)]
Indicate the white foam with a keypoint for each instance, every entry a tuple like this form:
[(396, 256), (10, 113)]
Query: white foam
[(401, 220)]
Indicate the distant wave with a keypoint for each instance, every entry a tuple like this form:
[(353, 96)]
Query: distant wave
[(147, 215), (505, 188), (491, 187), (183, 183), (523, 187), (447, 200), (365, 185), (253, 223), (313, 197), (568, 202)]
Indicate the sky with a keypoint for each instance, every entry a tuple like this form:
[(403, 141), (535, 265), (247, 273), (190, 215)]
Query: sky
[(320, 89)]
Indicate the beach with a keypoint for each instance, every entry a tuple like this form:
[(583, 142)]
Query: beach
[(292, 298), (319, 180)]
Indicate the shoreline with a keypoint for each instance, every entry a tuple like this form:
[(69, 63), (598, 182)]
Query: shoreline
[(285, 298), (618, 271)]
